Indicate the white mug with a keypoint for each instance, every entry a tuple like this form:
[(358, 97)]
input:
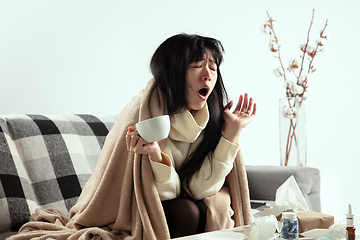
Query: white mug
[(154, 129)]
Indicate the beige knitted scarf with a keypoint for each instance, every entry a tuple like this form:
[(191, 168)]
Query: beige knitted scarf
[(120, 200)]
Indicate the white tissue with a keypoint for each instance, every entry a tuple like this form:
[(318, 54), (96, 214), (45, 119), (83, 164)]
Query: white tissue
[(263, 228), (288, 196)]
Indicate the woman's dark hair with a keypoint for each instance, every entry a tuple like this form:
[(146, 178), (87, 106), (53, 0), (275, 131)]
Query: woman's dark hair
[(169, 65)]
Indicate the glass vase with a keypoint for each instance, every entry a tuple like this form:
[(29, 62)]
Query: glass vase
[(292, 131)]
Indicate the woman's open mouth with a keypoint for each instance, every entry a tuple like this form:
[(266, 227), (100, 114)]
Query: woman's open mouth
[(203, 92)]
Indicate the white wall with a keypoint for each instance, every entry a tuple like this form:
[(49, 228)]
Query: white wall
[(62, 57)]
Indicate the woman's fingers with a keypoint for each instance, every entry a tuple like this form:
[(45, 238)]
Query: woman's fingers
[(134, 143), (128, 139), (131, 129), (138, 146), (132, 137), (254, 111), (238, 106), (245, 104), (250, 106)]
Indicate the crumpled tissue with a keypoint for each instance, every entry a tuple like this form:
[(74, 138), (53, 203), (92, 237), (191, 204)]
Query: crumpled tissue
[(263, 228), (288, 196)]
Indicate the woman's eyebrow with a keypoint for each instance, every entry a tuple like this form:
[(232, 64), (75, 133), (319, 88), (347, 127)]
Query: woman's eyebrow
[(203, 59), (199, 60)]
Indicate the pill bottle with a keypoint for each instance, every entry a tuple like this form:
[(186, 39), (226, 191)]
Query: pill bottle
[(289, 226)]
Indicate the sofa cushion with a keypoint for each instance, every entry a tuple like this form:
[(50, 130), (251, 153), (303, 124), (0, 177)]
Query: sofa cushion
[(47, 160)]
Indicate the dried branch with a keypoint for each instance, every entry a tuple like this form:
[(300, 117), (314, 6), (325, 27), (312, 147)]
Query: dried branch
[(276, 39), (317, 46), (306, 44)]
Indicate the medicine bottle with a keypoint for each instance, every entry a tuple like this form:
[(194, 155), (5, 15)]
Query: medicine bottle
[(350, 229), (289, 226)]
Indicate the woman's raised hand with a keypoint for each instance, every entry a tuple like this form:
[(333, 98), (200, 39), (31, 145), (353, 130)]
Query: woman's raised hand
[(243, 114), (136, 144)]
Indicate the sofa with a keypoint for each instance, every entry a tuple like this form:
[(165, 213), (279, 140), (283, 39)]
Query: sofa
[(45, 161)]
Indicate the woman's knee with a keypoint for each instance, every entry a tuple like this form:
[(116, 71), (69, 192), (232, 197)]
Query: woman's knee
[(182, 216), (182, 209)]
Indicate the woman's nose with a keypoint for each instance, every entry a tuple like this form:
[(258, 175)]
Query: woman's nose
[(206, 74)]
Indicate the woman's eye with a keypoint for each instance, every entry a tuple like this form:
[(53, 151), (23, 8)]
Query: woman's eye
[(213, 67)]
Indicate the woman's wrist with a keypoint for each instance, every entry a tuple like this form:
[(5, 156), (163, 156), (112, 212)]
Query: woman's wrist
[(232, 136), (156, 157), (232, 140)]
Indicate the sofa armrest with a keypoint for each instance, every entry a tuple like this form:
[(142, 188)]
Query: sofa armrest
[(265, 180)]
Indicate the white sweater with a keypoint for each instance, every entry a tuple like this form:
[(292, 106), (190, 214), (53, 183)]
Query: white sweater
[(185, 135)]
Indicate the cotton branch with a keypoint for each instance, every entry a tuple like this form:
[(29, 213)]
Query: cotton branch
[(307, 43), (276, 40)]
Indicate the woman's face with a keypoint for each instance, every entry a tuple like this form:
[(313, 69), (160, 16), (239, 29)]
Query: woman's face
[(201, 77)]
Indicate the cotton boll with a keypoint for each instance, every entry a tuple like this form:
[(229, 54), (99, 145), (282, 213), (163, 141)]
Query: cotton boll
[(285, 110), (302, 47), (273, 46), (299, 89), (302, 79), (321, 42), (291, 113), (310, 49), (293, 64), (311, 52), (265, 28), (289, 84), (279, 72), (288, 112)]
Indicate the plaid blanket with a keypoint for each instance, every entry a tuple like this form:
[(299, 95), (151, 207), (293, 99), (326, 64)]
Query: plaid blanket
[(45, 161)]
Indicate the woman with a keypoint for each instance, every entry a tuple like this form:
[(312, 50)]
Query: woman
[(202, 144), (194, 180)]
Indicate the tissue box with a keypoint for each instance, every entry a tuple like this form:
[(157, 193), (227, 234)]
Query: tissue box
[(311, 220)]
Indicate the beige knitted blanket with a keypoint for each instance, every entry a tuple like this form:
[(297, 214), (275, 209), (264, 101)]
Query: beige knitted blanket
[(120, 200)]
